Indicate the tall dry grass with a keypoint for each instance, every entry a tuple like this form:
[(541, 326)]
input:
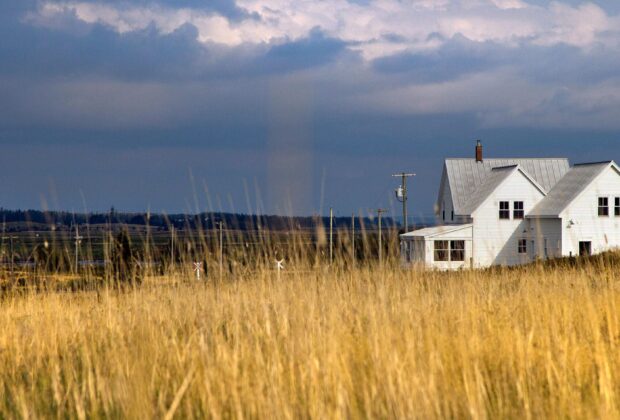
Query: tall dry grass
[(359, 343)]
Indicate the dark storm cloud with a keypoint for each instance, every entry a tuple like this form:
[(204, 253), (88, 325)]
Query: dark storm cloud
[(458, 56), (126, 117), (148, 55)]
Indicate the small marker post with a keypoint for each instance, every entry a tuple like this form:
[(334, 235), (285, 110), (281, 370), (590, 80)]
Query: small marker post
[(279, 266), (197, 269)]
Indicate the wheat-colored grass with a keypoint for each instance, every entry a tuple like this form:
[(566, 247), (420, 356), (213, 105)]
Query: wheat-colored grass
[(369, 342)]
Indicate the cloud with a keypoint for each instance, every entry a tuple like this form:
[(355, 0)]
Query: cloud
[(138, 91), (376, 28)]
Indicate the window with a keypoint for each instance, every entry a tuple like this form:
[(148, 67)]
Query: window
[(442, 252), (504, 210), (603, 206), (518, 212), (457, 250), (453, 215), (617, 206), (585, 249), (522, 246)]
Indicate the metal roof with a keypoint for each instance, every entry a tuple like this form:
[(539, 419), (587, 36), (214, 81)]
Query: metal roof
[(492, 181), (568, 188), (436, 230), (465, 175)]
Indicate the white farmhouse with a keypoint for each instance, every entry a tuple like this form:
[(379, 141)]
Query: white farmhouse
[(514, 211)]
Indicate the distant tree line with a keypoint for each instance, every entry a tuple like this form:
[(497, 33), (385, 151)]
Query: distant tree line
[(63, 219)]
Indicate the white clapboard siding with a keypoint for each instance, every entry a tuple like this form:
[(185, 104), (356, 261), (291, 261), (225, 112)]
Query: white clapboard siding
[(445, 207), (496, 240), (547, 234), (581, 219)]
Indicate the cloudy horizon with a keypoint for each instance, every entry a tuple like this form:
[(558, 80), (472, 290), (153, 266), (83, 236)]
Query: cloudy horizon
[(292, 106)]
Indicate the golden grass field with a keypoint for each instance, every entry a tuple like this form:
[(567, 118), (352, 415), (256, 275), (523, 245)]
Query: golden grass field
[(365, 343)]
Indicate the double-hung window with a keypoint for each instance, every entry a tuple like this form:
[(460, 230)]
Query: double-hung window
[(442, 250), (449, 251), (522, 246), (617, 206), (518, 211), (457, 250), (504, 210), (603, 206)]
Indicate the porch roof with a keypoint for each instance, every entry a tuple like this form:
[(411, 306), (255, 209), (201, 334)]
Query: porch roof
[(435, 231)]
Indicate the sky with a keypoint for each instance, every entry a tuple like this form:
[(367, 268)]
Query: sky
[(292, 106)]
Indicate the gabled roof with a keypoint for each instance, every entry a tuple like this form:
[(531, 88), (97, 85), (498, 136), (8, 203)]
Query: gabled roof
[(491, 183), (466, 175), (569, 188), (435, 230)]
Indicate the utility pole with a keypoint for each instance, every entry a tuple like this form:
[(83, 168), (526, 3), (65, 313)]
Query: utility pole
[(172, 247), (331, 236), (401, 195), (78, 239), (147, 247), (12, 255), (380, 214), (353, 238), (10, 238), (221, 224)]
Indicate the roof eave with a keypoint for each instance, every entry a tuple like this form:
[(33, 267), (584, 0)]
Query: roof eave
[(432, 235)]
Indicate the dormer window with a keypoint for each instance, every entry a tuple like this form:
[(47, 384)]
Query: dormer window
[(603, 206), (504, 210)]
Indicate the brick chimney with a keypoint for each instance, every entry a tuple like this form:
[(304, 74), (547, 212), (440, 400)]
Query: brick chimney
[(479, 151)]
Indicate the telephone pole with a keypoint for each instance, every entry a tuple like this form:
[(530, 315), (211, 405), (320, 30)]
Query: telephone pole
[(10, 238), (78, 240), (172, 246), (353, 238), (221, 241), (401, 195), (331, 236), (380, 214)]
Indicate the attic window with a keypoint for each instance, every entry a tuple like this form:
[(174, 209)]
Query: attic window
[(504, 210), (518, 212), (603, 206)]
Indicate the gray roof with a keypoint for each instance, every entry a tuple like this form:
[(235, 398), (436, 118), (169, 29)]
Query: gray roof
[(568, 188), (491, 182), (465, 175)]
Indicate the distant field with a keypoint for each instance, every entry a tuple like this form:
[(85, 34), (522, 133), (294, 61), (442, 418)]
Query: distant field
[(534, 342)]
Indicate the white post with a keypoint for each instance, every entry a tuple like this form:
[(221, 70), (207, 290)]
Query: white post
[(279, 266), (197, 269)]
